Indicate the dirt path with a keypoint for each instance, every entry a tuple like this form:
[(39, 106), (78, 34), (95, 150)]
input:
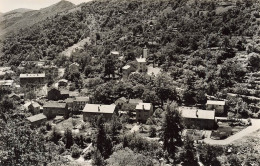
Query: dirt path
[(78, 45), (255, 126)]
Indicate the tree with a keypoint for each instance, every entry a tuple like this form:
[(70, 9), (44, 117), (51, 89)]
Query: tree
[(97, 158), (103, 142), (68, 138), (171, 129), (152, 132), (109, 66), (116, 125), (208, 155), (188, 155)]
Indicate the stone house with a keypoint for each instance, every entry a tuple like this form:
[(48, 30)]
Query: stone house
[(52, 109), (143, 111), (197, 118), (79, 103), (37, 120), (218, 106), (34, 107), (32, 79), (91, 110)]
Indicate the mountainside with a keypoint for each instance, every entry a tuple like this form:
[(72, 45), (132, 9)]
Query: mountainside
[(22, 18)]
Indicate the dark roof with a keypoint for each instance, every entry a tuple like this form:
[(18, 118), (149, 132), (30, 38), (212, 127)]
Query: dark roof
[(54, 105)]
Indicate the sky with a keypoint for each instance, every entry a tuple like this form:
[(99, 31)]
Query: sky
[(8, 5)]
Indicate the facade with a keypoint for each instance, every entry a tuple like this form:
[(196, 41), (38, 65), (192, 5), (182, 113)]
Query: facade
[(34, 107), (197, 118), (64, 94), (6, 83), (143, 111), (218, 106), (37, 120), (79, 103), (126, 70), (141, 65), (52, 109), (14, 96), (74, 67), (32, 79), (91, 110)]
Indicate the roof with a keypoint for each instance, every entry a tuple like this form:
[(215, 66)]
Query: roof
[(69, 100), (13, 94), (98, 108), (63, 80), (145, 106), (36, 117), (39, 75), (194, 113), (115, 52), (142, 60), (122, 98), (54, 105), (6, 82), (214, 102), (135, 101), (35, 104), (75, 63), (63, 92), (82, 99), (126, 67)]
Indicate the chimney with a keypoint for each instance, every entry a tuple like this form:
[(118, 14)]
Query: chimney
[(143, 107), (197, 114), (145, 52), (99, 108)]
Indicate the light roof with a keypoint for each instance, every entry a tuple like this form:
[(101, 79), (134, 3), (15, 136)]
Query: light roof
[(194, 113), (214, 102), (142, 60), (39, 75), (145, 106), (98, 108), (36, 117)]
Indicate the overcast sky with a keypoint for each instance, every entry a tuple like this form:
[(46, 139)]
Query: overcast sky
[(8, 5)]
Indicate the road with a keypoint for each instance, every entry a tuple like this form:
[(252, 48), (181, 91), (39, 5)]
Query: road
[(250, 129)]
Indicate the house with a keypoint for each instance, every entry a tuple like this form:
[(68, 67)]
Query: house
[(52, 109), (120, 101), (218, 106), (34, 107), (126, 70), (197, 118), (79, 103), (141, 64), (91, 110), (143, 111), (6, 83), (64, 94), (62, 82), (37, 120), (69, 102), (74, 67), (32, 79)]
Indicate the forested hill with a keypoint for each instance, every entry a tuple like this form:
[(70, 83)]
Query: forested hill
[(21, 18), (173, 28)]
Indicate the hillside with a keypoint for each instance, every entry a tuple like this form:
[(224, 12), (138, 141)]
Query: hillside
[(22, 18)]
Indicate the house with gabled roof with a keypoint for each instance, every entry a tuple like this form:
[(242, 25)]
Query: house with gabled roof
[(37, 120), (79, 103), (143, 111), (198, 118), (91, 110), (34, 107), (218, 106), (37, 78), (52, 109)]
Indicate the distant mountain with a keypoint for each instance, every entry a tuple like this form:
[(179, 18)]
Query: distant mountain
[(22, 18)]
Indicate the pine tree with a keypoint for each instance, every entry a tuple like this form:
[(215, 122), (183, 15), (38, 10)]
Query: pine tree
[(68, 138), (172, 128)]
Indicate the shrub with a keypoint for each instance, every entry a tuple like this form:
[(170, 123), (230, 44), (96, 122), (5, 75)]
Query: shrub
[(152, 132), (75, 151), (48, 126)]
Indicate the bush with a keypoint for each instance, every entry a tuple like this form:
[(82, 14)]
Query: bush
[(48, 126), (152, 132), (75, 151)]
